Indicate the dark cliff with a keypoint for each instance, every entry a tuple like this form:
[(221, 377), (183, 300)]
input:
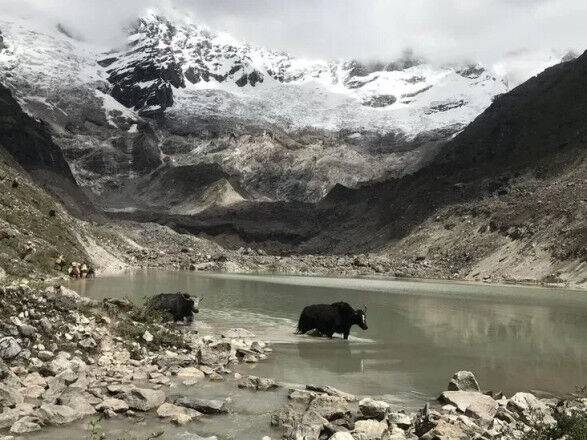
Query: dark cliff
[(29, 142)]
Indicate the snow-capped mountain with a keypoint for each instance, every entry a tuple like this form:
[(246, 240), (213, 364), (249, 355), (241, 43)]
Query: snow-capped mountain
[(165, 59), (136, 122)]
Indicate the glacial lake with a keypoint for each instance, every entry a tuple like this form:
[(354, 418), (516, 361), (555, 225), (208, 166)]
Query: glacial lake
[(513, 338)]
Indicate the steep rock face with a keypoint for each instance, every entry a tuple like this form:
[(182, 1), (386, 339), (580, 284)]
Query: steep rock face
[(162, 56), (34, 227), (28, 140), (30, 144)]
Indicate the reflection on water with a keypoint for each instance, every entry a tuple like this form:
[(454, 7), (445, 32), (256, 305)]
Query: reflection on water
[(513, 338)]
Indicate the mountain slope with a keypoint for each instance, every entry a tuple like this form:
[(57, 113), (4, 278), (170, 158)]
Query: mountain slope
[(282, 128), (504, 200), (506, 196), (29, 143), (34, 227)]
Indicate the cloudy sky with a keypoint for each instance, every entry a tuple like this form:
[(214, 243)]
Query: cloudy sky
[(440, 30)]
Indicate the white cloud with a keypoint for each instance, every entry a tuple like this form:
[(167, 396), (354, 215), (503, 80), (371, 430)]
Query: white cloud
[(440, 30)]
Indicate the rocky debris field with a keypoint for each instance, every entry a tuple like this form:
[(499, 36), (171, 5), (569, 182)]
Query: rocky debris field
[(64, 357), (462, 412)]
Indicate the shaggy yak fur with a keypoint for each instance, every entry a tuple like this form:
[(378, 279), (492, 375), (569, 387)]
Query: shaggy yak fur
[(180, 306), (328, 319)]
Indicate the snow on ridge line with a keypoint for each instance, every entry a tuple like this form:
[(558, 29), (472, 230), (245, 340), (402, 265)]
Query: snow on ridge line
[(413, 99)]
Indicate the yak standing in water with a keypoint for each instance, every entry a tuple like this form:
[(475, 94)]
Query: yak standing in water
[(328, 319), (180, 306)]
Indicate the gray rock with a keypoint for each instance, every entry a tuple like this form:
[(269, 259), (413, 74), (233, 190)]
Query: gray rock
[(463, 399), (400, 419), (46, 324), (177, 414), (331, 391), (396, 433), (530, 409), (9, 348), (373, 409), (258, 383), (77, 399), (484, 409), (330, 407), (112, 404), (10, 396), (144, 399), (445, 430), (8, 417), (463, 381), (201, 405), (26, 424), (369, 429), (55, 387), (190, 373), (26, 330), (58, 414)]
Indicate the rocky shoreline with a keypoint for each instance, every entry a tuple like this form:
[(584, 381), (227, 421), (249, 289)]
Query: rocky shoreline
[(462, 412), (155, 246), (66, 358)]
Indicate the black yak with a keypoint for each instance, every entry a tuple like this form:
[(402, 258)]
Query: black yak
[(328, 319), (180, 306)]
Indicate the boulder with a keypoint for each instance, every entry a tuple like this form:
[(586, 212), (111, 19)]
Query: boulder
[(395, 433), (9, 348), (463, 399), (10, 396), (190, 373), (400, 419), (330, 407), (144, 399), (60, 364), (258, 383), (26, 330), (8, 417), (530, 409), (77, 399), (331, 391), (201, 405), (177, 414), (373, 409), (369, 429), (483, 409), (112, 404), (446, 431), (310, 426), (34, 379), (213, 357), (58, 414), (463, 381), (56, 386), (26, 424)]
